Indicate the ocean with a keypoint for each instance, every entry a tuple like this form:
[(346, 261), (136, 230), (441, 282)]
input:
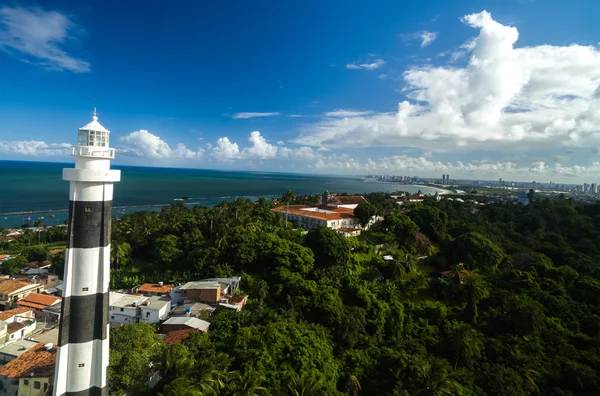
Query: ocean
[(36, 189)]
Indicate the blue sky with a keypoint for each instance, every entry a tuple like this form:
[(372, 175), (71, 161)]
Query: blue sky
[(477, 89)]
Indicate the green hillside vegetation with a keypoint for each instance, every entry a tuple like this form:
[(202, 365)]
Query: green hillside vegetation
[(328, 316)]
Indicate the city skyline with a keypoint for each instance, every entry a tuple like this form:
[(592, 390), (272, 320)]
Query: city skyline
[(477, 91)]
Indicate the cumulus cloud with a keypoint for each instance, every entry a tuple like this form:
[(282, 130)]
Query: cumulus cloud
[(35, 148), (371, 65), (39, 37), (424, 36), (237, 116), (260, 149), (503, 98), (145, 144)]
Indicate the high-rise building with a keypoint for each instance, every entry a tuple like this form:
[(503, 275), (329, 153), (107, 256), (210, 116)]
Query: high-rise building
[(443, 179), (82, 358)]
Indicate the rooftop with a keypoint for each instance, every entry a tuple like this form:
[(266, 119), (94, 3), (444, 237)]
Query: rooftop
[(55, 251), (13, 327), (155, 302), (50, 336), (201, 285), (94, 125), (12, 312), (39, 301), (348, 200), (178, 336), (12, 285), (317, 212), (37, 362), (125, 300), (154, 288), (17, 348), (188, 321)]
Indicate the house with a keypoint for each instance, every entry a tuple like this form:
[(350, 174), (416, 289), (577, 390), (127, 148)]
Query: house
[(12, 290), (55, 251), (185, 323), (46, 264), (309, 216), (208, 291), (41, 276), (10, 351), (349, 232), (234, 302), (31, 373), (39, 303), (451, 274), (155, 309), (5, 257), (228, 285), (19, 322), (124, 308), (196, 310), (342, 201), (154, 289), (177, 336)]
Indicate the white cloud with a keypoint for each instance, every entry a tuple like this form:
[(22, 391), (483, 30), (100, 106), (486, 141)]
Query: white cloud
[(238, 116), (504, 98), (40, 36), (35, 148), (226, 150), (260, 148), (371, 65), (424, 36), (347, 113), (145, 144)]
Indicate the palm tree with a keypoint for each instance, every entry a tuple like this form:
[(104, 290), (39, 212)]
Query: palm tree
[(476, 289), (183, 387), (305, 385), (353, 386), (288, 196), (466, 342), (439, 380), (248, 385)]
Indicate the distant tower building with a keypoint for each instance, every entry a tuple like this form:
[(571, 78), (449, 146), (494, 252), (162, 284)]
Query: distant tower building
[(325, 198), (447, 179), (82, 359), (443, 179)]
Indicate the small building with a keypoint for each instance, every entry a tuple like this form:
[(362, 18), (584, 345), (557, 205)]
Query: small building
[(39, 303), (54, 252), (236, 302), (41, 276), (196, 310), (155, 309), (12, 290), (342, 201), (154, 289), (177, 336), (228, 285), (349, 232), (124, 308), (17, 314), (185, 323), (31, 373), (14, 349), (208, 291), (19, 329)]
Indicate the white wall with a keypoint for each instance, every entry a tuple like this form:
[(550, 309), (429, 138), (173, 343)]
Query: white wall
[(128, 315), (154, 316)]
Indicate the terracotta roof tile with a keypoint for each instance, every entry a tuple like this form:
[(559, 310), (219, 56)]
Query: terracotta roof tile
[(349, 200), (38, 301), (178, 336), (12, 285), (55, 251), (12, 312), (13, 327), (334, 213), (37, 360), (154, 288)]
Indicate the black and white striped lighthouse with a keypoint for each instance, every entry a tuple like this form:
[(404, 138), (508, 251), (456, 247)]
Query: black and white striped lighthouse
[(82, 359)]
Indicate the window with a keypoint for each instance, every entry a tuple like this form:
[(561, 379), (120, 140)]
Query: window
[(88, 210), (85, 289), (37, 385), (81, 365), (25, 382), (122, 309), (112, 317), (147, 314)]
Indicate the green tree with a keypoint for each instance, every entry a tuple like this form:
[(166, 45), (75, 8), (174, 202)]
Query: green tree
[(287, 198), (328, 246), (466, 343), (404, 229), (477, 251), (364, 213), (14, 265), (37, 253), (167, 251), (136, 351)]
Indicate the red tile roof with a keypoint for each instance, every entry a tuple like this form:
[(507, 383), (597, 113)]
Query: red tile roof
[(12, 285), (12, 312), (37, 360), (154, 288), (38, 301), (178, 336), (3, 256), (348, 200), (13, 327), (55, 251), (335, 213)]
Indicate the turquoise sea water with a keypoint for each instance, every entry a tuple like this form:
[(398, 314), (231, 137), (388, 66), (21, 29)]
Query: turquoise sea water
[(38, 187)]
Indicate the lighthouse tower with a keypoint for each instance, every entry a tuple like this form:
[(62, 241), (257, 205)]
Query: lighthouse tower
[(82, 359)]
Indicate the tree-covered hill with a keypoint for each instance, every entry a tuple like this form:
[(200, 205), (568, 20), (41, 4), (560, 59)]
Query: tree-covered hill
[(517, 311)]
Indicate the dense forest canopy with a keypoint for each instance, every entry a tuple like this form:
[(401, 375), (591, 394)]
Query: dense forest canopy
[(517, 312)]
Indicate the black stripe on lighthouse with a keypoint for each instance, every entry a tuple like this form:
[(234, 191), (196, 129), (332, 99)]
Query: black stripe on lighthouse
[(84, 319), (89, 224)]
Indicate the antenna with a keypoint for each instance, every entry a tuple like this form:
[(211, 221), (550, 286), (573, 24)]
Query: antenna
[(95, 112)]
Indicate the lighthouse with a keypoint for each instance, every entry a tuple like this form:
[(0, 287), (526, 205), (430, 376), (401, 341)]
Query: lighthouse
[(82, 358)]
